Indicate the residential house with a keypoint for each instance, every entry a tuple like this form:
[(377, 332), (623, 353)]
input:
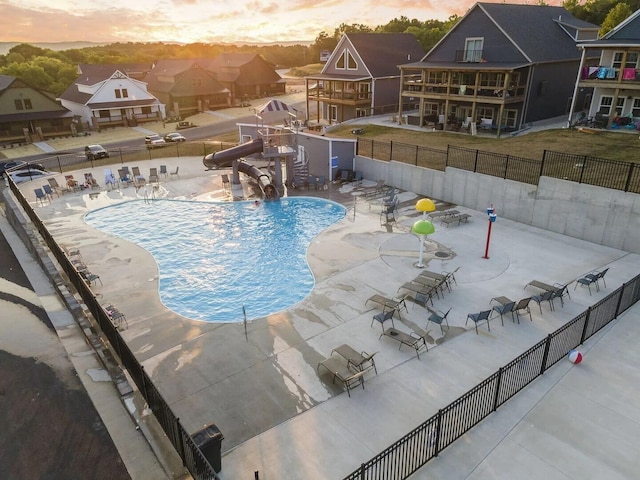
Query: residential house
[(104, 96), (500, 67), (28, 114), (614, 79), (187, 87), (361, 77)]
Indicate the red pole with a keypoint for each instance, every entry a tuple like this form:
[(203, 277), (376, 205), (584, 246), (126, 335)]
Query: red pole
[(486, 251)]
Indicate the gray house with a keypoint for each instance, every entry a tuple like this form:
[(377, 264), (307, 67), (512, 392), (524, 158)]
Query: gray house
[(501, 67), (361, 77), (614, 78)]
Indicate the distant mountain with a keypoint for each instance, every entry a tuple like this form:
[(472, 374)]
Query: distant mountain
[(57, 46)]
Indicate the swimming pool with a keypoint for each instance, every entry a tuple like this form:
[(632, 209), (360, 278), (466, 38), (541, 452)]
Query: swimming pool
[(215, 258)]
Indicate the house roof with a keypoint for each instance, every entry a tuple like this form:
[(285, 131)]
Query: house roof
[(6, 81), (383, 52), (625, 34), (23, 116), (91, 74)]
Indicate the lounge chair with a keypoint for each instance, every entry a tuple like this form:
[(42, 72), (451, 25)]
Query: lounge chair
[(136, 174), (41, 197), (383, 317), (544, 297), (361, 361), (523, 306), (412, 339), (72, 183), (455, 219), (339, 368), (541, 285), (422, 299), (479, 317), (90, 182), (124, 177), (90, 278), (56, 187), (439, 317), (116, 316), (389, 303), (109, 179)]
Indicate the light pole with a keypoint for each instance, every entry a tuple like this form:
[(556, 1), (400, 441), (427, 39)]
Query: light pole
[(492, 218)]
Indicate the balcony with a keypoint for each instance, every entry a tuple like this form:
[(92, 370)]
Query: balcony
[(610, 77)]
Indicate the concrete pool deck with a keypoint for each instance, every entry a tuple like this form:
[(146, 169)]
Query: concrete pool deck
[(281, 418)]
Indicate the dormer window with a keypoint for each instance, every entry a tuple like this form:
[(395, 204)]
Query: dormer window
[(473, 49)]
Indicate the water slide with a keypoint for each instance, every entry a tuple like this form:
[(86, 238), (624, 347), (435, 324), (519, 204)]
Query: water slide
[(225, 158)]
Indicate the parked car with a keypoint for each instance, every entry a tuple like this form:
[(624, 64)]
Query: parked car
[(153, 141), (174, 137), (24, 175), (95, 151), (18, 164)]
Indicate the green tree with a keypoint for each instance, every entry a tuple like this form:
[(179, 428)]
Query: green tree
[(616, 15)]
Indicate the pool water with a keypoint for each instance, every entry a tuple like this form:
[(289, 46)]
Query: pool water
[(216, 258)]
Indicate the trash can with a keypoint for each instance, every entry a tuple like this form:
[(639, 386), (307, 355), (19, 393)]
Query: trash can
[(209, 440)]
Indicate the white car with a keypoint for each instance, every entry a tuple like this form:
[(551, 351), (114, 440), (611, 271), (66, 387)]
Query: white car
[(153, 141), (19, 176), (174, 137)]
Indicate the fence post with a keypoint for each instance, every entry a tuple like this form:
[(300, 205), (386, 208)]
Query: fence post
[(584, 165), (475, 163), (438, 428), (416, 155), (373, 143), (391, 150), (446, 160), (179, 429), (357, 146), (619, 300), (544, 156), (547, 345), (59, 163), (362, 470), (495, 398), (629, 175), (506, 167), (586, 323)]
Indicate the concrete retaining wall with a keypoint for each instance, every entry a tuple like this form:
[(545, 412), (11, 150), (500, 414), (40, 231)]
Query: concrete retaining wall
[(595, 214)]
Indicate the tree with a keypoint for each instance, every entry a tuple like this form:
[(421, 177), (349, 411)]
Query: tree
[(616, 15)]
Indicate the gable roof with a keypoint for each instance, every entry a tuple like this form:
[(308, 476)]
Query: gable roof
[(542, 33), (383, 52), (89, 74), (626, 33)]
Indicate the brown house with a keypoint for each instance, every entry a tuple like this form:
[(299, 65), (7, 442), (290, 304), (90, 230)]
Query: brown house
[(28, 114)]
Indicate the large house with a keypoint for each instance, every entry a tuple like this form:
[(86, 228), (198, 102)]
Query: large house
[(28, 114), (614, 78), (186, 87), (500, 67), (189, 86), (361, 76), (104, 96)]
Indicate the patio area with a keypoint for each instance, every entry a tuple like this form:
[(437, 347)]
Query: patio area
[(279, 415)]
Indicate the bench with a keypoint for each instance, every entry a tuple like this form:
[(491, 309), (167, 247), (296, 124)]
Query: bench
[(462, 218), (443, 213), (413, 340)]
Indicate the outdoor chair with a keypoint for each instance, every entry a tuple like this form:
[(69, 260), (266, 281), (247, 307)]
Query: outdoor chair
[(412, 339), (175, 172), (344, 176), (41, 197), (56, 187), (116, 316), (124, 177), (136, 174), (361, 361), (451, 277), (311, 182), (163, 171), (523, 306), (321, 184), (479, 317), (422, 299), (90, 278), (49, 191), (438, 317), (545, 297), (358, 178), (388, 215), (587, 281), (597, 276), (383, 317), (506, 308), (72, 183), (153, 175), (340, 370), (109, 179), (90, 182)]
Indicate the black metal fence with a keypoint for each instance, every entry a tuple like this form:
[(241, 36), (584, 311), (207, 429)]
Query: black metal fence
[(192, 457), (599, 172), (415, 449)]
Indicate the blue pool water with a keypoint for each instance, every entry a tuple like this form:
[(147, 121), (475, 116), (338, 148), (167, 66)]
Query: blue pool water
[(215, 258)]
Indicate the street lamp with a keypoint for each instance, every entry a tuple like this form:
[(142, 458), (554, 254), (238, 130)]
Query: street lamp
[(422, 228), (492, 218)]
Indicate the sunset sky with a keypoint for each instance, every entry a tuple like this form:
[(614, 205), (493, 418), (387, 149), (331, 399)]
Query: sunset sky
[(209, 21)]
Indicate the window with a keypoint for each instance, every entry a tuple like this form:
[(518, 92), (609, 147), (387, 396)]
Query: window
[(351, 62), (146, 110), (104, 113), (27, 104), (125, 94), (491, 79), (630, 62), (18, 104), (121, 93), (473, 49), (118, 93), (430, 108), (635, 108), (341, 61), (483, 112), (509, 118), (361, 112), (363, 90), (436, 77), (606, 102), (197, 82)]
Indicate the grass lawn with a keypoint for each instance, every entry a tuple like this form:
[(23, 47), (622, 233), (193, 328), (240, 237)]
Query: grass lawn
[(612, 145)]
